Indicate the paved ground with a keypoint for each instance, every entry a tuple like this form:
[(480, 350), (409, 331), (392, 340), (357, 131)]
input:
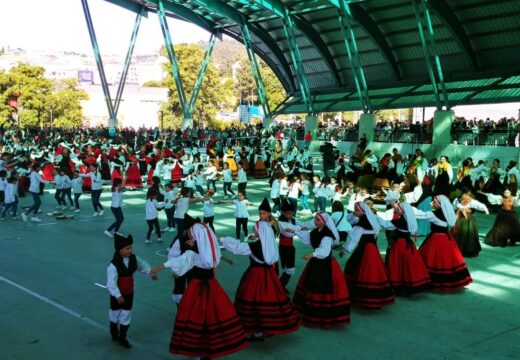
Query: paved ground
[(54, 305)]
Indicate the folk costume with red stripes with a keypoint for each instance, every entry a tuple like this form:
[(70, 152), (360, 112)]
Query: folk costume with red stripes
[(207, 324), (440, 252), (406, 270), (261, 300), (322, 297), (365, 271), (120, 283)]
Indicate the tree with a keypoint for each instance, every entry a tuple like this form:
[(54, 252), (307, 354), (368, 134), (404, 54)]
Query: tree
[(246, 87), (37, 95), (189, 58), (65, 104)]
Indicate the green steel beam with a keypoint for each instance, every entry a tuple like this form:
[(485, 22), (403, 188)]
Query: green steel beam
[(353, 55), (435, 53), (229, 12), (426, 53), (450, 20), (279, 9), (128, 59), (297, 62), (99, 61), (174, 64), (255, 69), (200, 77)]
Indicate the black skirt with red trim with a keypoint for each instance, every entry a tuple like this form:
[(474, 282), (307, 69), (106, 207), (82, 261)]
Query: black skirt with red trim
[(366, 276), (406, 270), (442, 257), (207, 324), (322, 296), (262, 303)]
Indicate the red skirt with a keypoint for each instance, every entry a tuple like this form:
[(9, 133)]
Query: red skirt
[(22, 185), (133, 177), (444, 262), (150, 176), (87, 182), (116, 174), (207, 324), (406, 270), (263, 305), (48, 172), (320, 307), (368, 282)]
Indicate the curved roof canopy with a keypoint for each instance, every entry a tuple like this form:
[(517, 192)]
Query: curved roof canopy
[(477, 42)]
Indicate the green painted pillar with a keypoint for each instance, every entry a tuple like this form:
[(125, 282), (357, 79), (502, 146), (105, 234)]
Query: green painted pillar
[(311, 124), (186, 123), (267, 123), (442, 121), (367, 125)]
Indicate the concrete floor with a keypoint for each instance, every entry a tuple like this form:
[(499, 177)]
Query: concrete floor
[(53, 309)]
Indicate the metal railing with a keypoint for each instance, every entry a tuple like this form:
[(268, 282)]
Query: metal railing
[(485, 137)]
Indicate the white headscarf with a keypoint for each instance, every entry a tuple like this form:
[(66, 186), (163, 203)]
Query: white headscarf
[(409, 216), (447, 209), (265, 232), (372, 218), (205, 237), (330, 224), (357, 231)]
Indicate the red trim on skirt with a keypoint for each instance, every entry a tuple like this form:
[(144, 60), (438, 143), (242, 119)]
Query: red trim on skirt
[(207, 324), (263, 305)]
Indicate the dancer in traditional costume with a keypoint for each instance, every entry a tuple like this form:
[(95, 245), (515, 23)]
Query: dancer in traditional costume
[(406, 270), (440, 252), (261, 300), (506, 228), (322, 297), (207, 324), (365, 271), (465, 230), (133, 176)]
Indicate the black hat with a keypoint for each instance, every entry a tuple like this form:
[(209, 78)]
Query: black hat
[(121, 242), (286, 206), (265, 206), (189, 221)]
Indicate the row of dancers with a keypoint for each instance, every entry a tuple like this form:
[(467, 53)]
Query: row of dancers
[(209, 325)]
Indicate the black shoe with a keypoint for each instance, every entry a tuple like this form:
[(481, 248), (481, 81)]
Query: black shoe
[(114, 331), (259, 338), (123, 341)]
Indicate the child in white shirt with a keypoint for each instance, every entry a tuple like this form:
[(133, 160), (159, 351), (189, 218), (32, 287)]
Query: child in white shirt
[(170, 196), (151, 207), (241, 214), (77, 189), (228, 180)]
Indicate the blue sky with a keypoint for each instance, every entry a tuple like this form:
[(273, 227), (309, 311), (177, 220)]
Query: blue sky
[(60, 25)]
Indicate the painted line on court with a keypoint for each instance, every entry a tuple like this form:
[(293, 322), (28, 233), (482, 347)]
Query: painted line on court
[(55, 304), (75, 314), (160, 253), (100, 285), (51, 223)]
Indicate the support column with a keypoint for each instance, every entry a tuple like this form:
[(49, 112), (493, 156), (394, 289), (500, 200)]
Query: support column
[(267, 123), (367, 125), (186, 123), (311, 125), (442, 121)]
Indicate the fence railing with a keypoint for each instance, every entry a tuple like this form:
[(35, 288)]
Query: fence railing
[(489, 138)]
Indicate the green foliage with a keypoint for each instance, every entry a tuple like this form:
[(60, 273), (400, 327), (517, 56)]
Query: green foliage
[(210, 97), (37, 96), (154, 84), (246, 88)]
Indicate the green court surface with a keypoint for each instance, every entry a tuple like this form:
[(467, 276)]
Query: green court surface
[(54, 304)]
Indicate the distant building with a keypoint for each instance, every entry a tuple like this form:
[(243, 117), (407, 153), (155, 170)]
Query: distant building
[(139, 106)]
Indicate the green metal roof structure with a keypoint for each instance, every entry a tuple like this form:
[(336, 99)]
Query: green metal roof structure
[(338, 55)]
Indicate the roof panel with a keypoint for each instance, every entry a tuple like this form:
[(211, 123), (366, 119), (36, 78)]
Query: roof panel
[(476, 39)]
